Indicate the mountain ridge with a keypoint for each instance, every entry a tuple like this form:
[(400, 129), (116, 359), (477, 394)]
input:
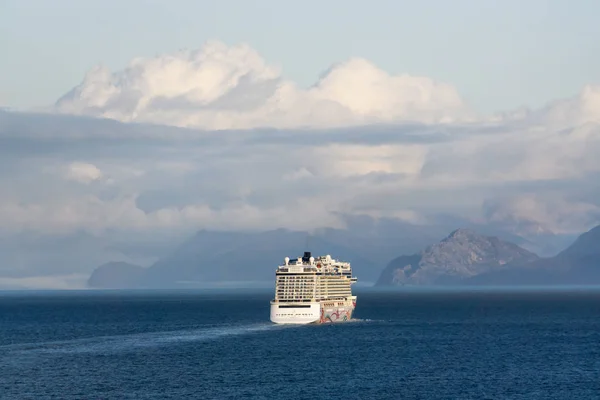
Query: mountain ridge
[(578, 264), (216, 257), (115, 275), (462, 254)]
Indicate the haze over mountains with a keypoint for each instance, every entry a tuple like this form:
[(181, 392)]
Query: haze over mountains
[(464, 257), (212, 257), (217, 141)]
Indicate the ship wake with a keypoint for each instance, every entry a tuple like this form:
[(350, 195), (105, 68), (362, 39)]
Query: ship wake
[(134, 342)]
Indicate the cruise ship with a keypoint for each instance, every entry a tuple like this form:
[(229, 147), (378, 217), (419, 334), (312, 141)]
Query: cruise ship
[(311, 290)]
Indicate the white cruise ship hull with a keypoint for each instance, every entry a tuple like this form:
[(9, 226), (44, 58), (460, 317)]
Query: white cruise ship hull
[(300, 313), (313, 313)]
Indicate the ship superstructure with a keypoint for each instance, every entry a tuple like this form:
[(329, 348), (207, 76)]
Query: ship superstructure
[(313, 290)]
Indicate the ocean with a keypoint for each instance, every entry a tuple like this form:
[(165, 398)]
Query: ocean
[(206, 344)]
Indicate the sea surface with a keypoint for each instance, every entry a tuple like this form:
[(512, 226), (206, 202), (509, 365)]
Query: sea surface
[(220, 345)]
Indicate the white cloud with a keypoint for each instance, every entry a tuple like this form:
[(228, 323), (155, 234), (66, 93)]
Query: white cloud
[(580, 110), (266, 180), (576, 111), (548, 213), (536, 170), (259, 179), (98, 216), (83, 172), (350, 159), (221, 87), (374, 95), (298, 174)]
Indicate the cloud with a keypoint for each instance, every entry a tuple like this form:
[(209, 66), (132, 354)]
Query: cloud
[(221, 87), (584, 108), (83, 172), (379, 145), (543, 213), (266, 179), (233, 87), (99, 216)]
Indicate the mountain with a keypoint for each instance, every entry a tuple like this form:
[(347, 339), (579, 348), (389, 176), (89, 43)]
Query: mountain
[(247, 258), (587, 244), (211, 258), (116, 275), (382, 239), (578, 264), (27, 258), (460, 256)]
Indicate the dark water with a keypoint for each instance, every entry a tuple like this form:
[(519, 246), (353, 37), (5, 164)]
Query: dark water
[(202, 345)]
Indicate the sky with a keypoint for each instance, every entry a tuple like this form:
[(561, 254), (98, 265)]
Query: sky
[(131, 125), (499, 55)]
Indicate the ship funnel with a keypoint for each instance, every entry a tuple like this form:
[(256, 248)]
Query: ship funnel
[(306, 257)]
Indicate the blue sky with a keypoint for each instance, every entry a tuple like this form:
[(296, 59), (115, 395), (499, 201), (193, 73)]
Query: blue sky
[(499, 54)]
